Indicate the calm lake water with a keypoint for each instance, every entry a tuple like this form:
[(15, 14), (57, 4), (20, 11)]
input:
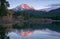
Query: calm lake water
[(33, 34)]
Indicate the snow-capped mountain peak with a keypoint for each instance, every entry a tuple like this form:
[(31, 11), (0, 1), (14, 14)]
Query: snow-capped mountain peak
[(26, 6)]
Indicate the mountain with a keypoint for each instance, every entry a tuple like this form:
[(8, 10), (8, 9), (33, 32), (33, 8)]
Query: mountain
[(24, 7), (52, 14)]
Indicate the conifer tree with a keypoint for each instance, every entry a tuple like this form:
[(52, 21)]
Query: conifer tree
[(3, 12)]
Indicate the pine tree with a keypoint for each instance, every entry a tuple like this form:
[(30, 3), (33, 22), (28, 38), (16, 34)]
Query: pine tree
[(3, 12)]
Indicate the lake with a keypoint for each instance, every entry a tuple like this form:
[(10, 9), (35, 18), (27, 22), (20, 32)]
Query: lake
[(33, 34), (35, 31)]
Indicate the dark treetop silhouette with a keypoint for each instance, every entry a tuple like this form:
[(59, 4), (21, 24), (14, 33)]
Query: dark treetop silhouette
[(3, 12)]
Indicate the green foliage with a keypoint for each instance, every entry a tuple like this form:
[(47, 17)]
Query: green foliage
[(15, 15), (16, 26), (53, 14), (25, 15), (3, 12)]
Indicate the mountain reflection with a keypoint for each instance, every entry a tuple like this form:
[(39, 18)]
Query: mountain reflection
[(27, 33), (30, 32), (34, 34)]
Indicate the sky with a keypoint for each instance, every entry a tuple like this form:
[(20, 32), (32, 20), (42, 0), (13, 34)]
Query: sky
[(37, 4)]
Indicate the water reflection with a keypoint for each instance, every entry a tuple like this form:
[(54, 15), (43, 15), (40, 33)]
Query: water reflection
[(34, 34), (26, 33)]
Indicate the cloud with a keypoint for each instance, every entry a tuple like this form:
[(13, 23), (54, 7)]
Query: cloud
[(54, 5)]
